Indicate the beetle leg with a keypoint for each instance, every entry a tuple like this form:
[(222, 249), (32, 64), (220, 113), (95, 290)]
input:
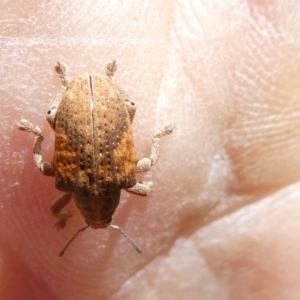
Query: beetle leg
[(57, 212), (111, 68), (44, 166), (141, 189), (61, 69), (145, 164)]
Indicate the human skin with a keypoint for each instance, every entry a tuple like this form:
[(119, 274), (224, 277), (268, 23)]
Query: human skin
[(223, 220)]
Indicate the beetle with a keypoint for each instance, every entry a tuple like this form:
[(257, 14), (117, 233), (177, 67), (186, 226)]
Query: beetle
[(94, 157)]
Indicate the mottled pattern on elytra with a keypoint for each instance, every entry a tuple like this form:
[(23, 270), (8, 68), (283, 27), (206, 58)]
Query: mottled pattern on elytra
[(94, 147)]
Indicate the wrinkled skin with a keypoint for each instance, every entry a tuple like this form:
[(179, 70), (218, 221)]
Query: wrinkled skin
[(223, 221)]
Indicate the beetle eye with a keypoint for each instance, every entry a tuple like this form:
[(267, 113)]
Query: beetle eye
[(130, 102), (49, 112)]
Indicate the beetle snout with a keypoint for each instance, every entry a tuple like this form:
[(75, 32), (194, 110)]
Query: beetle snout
[(97, 224)]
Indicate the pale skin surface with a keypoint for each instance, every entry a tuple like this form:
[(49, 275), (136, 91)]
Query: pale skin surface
[(223, 221)]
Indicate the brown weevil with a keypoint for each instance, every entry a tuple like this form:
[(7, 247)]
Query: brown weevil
[(94, 157)]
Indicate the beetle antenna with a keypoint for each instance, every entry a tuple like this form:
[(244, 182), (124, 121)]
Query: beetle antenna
[(137, 248), (61, 253)]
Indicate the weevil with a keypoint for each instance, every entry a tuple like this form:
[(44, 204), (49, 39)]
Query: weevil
[(94, 157)]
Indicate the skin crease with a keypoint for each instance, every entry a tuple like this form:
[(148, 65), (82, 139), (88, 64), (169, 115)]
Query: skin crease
[(222, 221)]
